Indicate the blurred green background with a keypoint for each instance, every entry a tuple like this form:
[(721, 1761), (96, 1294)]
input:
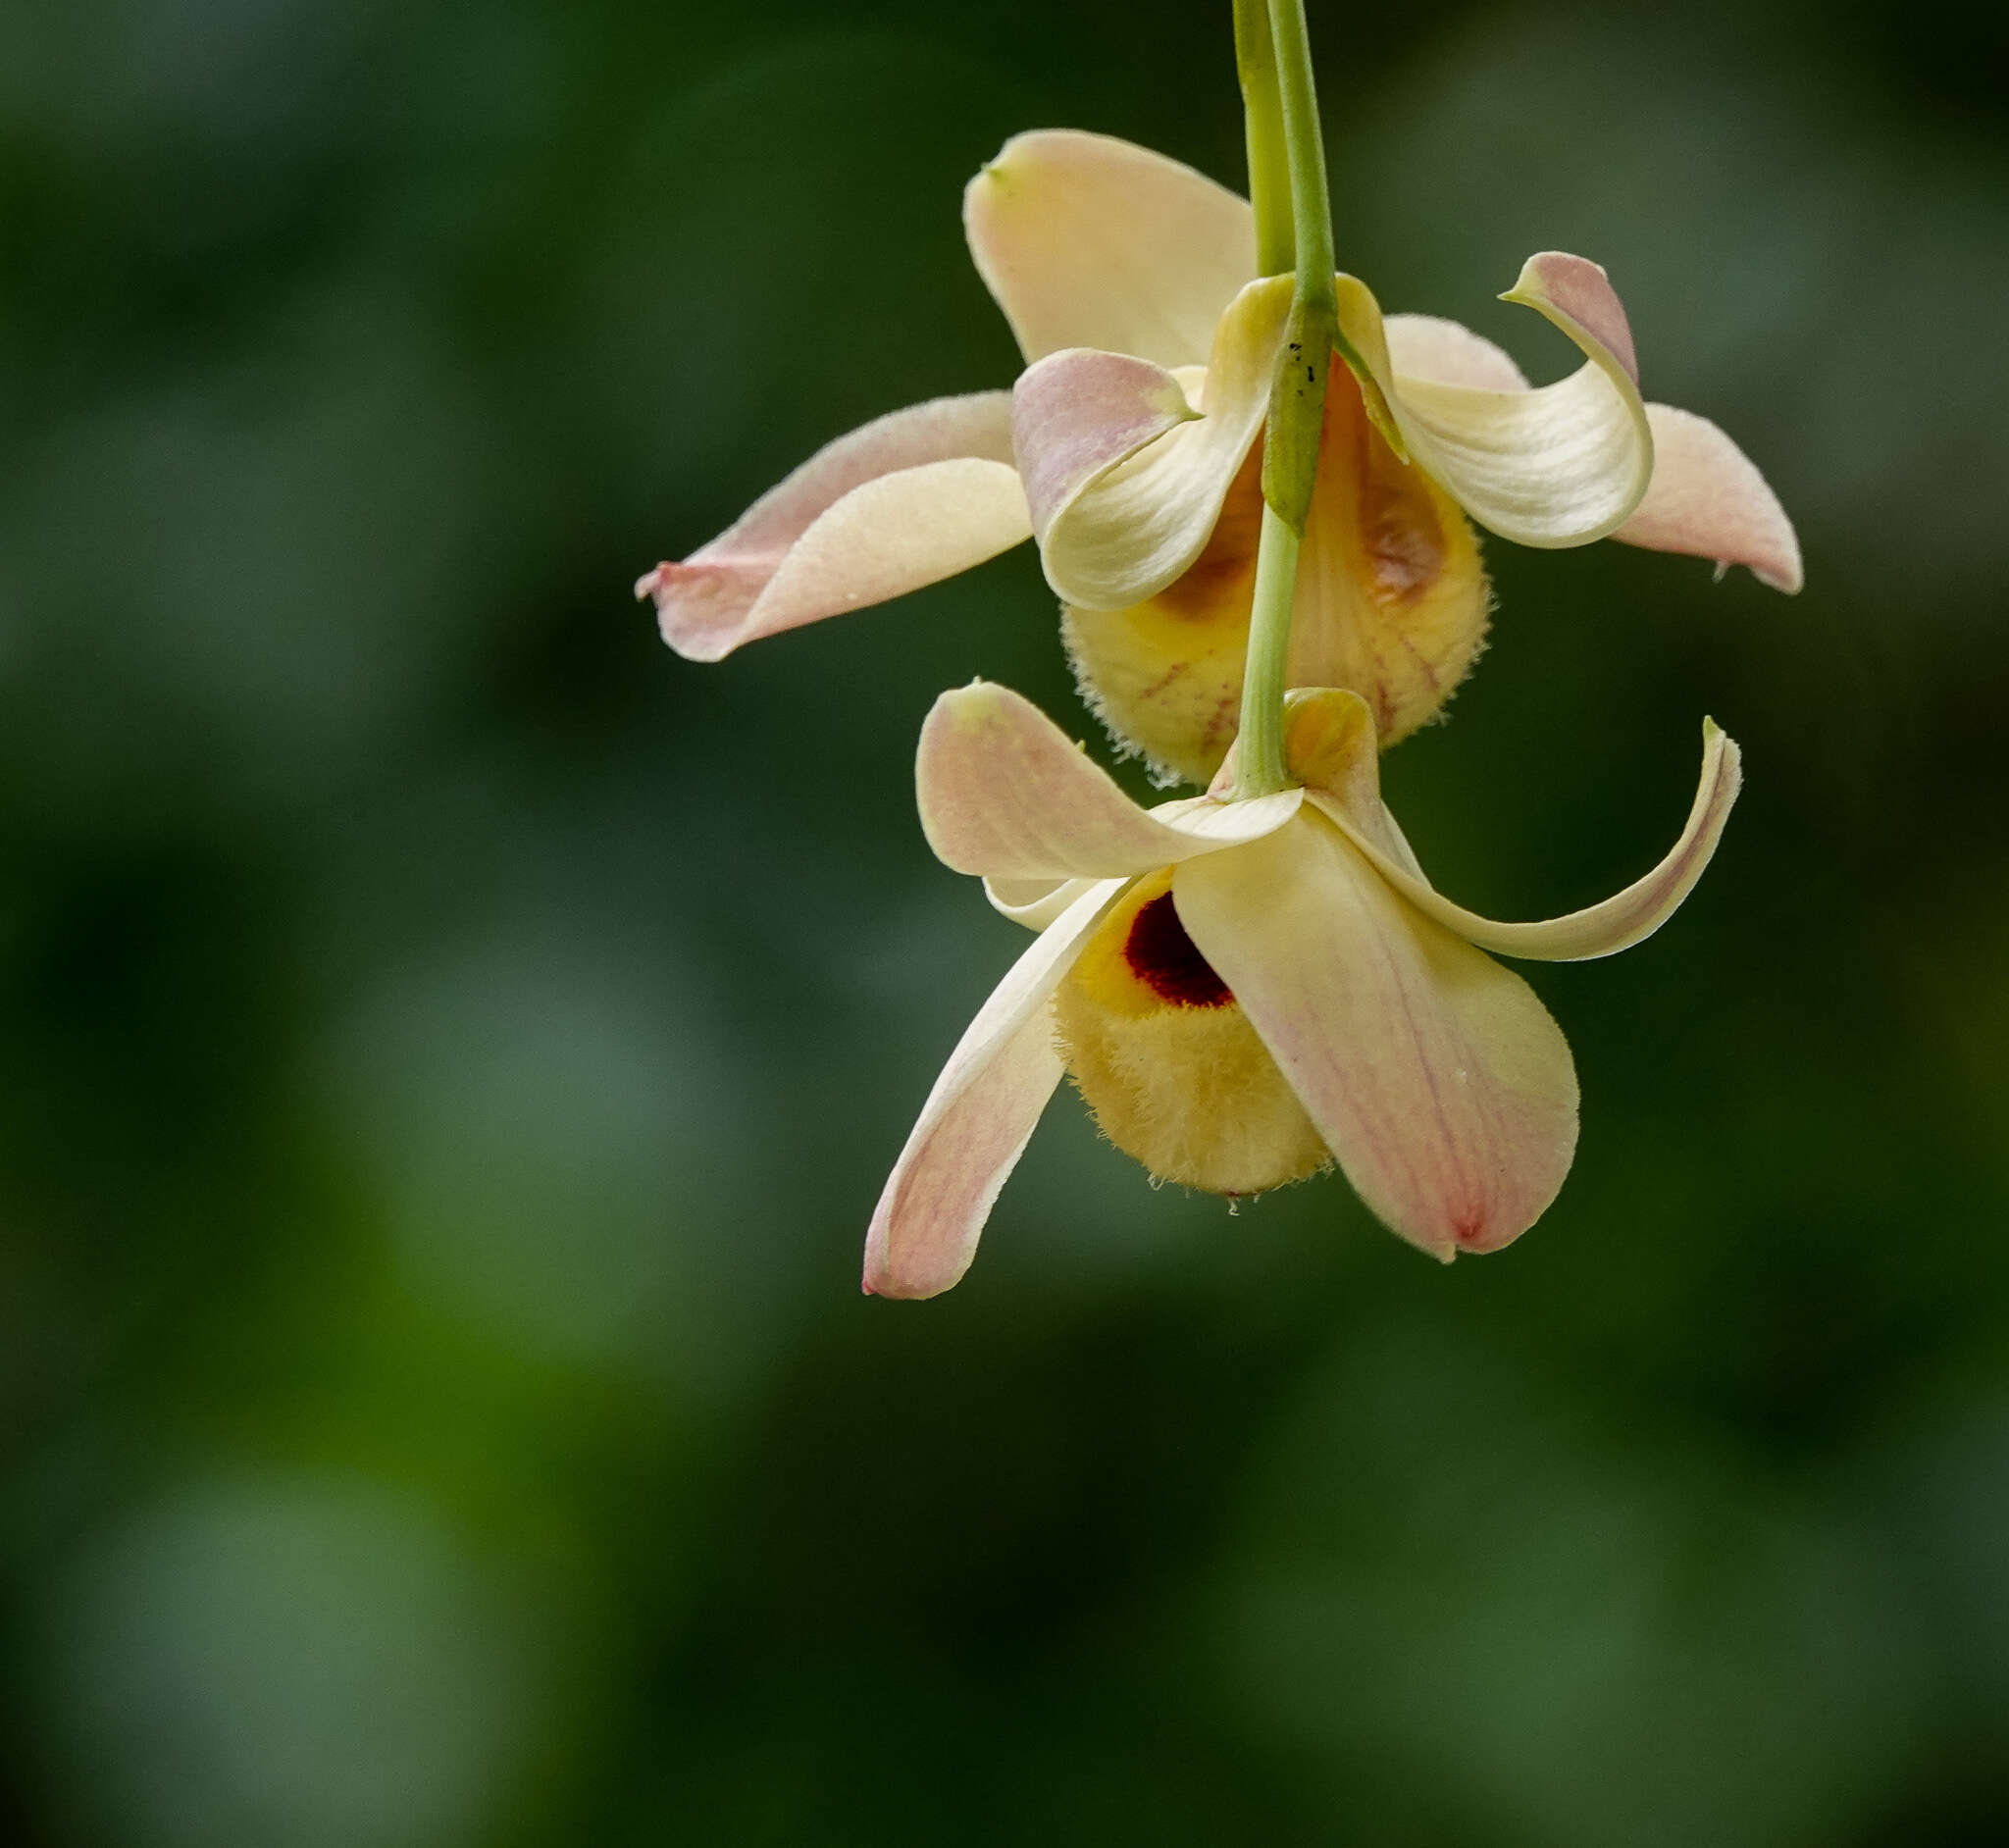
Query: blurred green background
[(451, 1047)]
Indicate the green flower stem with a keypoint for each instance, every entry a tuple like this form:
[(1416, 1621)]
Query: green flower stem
[(1260, 760), (1311, 202), (1297, 413), (1270, 175)]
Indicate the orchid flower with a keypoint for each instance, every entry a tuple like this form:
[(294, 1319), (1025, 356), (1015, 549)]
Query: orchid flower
[(1130, 448), (1245, 990)]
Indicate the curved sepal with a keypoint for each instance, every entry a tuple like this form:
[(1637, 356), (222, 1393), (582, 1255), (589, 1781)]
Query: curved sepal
[(1032, 903), (1554, 465), (1447, 353), (904, 501), (1331, 747), (977, 1120)]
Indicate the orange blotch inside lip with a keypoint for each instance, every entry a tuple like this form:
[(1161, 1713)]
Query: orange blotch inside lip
[(1220, 585), (1391, 602), (1398, 525)]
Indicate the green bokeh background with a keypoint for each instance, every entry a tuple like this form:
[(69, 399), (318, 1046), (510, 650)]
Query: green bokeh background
[(451, 1047)]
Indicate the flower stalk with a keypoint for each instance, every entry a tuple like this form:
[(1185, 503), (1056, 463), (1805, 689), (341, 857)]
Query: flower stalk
[(1297, 400), (1270, 178)]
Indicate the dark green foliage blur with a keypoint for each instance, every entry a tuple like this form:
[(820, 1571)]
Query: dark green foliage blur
[(451, 1047)]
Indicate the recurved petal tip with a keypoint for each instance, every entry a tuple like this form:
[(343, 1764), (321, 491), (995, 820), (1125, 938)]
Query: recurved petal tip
[(1565, 287), (1076, 414), (1559, 465)]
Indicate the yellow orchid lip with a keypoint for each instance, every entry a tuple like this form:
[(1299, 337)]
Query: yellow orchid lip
[(1228, 979), (1168, 1063)]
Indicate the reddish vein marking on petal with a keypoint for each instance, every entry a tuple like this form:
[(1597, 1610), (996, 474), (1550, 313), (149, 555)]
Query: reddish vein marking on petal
[(1168, 962), (1222, 724)]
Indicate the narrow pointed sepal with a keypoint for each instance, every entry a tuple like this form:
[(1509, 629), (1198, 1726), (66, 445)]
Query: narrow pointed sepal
[(904, 501), (1331, 747), (977, 1120)]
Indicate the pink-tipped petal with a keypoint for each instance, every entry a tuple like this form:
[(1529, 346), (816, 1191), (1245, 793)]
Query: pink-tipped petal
[(1425, 347), (1554, 466), (1076, 414), (1578, 295), (1708, 498), (1129, 486), (977, 1120), (1085, 240), (1435, 1076), (1005, 793), (907, 499), (1332, 749)]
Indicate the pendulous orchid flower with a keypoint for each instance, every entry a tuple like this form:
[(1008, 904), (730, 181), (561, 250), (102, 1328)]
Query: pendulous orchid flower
[(1130, 448), (1246, 991)]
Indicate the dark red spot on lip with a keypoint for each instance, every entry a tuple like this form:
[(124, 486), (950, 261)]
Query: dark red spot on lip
[(1168, 962)]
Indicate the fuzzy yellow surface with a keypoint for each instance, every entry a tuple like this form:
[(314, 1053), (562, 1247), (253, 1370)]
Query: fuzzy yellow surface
[(1183, 1086), (1392, 602)]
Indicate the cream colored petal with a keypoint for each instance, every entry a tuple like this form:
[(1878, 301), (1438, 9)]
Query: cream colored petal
[(1708, 498), (1128, 489), (909, 498), (1331, 749), (1003, 793), (1165, 674), (1076, 414), (1435, 1076), (1425, 347), (1032, 903), (977, 1120), (1089, 242), (1559, 465)]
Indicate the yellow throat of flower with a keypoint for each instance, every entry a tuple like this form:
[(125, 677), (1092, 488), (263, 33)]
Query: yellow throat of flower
[(1391, 602), (1168, 1063)]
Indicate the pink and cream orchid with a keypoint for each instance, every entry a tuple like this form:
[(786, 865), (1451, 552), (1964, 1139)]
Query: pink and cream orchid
[(1130, 448), (1246, 991)]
